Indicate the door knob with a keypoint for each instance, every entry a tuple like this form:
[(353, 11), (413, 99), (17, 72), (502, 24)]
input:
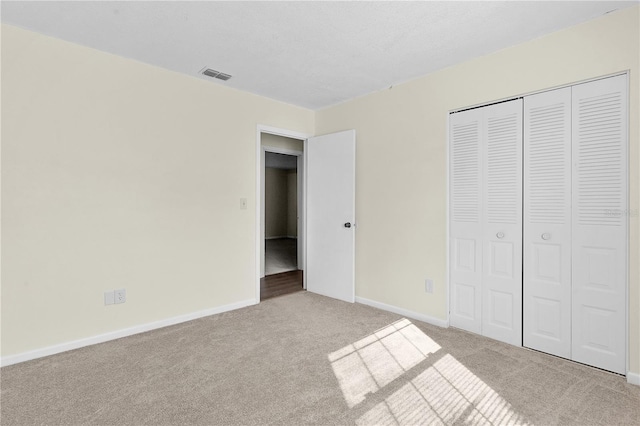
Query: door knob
[(347, 225), (545, 236), (500, 235)]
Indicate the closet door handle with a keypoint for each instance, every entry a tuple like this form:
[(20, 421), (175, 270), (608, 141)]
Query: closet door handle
[(545, 236), (500, 235)]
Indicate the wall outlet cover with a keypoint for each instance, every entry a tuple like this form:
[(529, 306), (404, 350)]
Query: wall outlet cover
[(109, 297), (428, 285), (120, 296)]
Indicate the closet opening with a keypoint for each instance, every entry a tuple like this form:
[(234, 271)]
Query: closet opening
[(536, 258)]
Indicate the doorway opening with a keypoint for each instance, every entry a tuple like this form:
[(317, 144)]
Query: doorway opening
[(281, 215)]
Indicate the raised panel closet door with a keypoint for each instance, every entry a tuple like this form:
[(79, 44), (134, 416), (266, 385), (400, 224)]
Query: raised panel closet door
[(502, 222), (600, 223), (465, 209), (547, 222)]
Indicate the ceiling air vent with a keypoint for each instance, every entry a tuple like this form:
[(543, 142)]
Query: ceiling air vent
[(216, 74)]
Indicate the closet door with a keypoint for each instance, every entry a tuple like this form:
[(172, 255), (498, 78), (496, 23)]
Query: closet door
[(547, 222), (502, 222), (465, 198), (600, 223)]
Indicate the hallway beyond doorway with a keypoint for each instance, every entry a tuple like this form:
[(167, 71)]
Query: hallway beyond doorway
[(280, 284), (280, 255)]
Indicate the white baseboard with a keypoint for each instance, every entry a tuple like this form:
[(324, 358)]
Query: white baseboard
[(404, 312), (112, 335), (633, 378)]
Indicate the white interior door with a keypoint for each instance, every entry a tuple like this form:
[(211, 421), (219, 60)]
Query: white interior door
[(465, 219), (600, 216), (330, 176), (547, 222), (502, 222)]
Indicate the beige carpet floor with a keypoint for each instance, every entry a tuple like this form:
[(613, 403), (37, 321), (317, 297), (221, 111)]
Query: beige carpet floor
[(307, 359)]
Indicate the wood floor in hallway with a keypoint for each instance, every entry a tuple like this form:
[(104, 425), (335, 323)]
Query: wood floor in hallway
[(279, 284)]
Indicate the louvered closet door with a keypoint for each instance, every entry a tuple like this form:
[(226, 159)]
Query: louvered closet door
[(502, 222), (465, 198), (547, 222), (599, 223)]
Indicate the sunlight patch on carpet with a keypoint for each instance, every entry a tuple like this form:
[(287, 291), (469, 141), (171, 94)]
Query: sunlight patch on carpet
[(445, 393), (373, 362)]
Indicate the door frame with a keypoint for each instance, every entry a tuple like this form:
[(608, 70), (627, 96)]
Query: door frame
[(302, 200)]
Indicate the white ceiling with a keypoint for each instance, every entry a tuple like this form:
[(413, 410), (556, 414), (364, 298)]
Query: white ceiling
[(311, 54)]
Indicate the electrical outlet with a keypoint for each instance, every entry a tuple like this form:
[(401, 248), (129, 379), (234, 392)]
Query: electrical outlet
[(109, 297), (428, 285), (120, 295)]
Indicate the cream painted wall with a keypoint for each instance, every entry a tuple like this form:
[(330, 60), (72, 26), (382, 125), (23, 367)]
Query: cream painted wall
[(116, 174), (402, 138), (275, 202), (292, 203)]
